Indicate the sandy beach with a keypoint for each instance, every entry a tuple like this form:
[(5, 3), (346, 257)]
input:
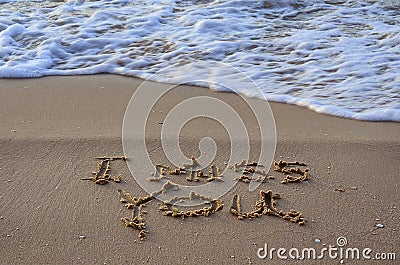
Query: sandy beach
[(53, 128)]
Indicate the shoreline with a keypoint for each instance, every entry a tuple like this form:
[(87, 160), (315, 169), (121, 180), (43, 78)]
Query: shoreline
[(25, 92), (55, 127)]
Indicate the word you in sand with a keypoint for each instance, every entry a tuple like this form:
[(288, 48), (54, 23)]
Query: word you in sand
[(247, 171)]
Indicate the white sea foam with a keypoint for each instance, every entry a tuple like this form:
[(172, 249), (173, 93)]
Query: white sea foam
[(339, 57)]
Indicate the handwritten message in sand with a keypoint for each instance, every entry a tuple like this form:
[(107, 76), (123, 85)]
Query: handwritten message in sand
[(294, 172)]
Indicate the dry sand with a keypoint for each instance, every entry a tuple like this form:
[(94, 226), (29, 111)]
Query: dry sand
[(53, 128)]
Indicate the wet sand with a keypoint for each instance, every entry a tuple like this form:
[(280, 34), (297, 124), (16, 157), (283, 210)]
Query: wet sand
[(53, 128)]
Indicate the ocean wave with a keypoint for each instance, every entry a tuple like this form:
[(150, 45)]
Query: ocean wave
[(338, 57)]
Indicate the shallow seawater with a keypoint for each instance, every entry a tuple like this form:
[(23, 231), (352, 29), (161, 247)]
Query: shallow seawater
[(339, 57)]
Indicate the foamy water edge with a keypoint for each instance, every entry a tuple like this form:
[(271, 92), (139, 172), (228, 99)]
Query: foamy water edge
[(338, 59)]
